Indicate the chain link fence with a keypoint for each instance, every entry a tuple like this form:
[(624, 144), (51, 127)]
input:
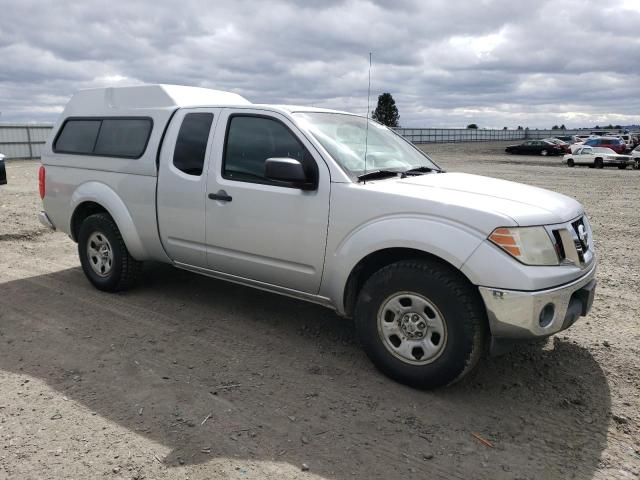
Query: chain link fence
[(455, 135)]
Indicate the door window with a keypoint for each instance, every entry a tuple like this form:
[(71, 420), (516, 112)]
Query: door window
[(251, 140), (191, 144)]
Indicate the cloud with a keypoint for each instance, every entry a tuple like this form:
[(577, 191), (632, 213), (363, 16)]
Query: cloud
[(447, 63)]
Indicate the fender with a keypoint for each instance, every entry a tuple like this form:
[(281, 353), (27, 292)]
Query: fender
[(450, 241), (102, 194)]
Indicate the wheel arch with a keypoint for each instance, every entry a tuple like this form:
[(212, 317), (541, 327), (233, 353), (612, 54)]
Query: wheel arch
[(95, 197), (385, 240), (379, 259)]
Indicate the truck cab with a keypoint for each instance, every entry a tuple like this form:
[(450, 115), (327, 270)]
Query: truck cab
[(321, 205)]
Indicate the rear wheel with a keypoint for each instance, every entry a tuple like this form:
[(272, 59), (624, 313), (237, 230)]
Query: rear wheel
[(420, 323), (104, 256), (599, 163), (570, 162)]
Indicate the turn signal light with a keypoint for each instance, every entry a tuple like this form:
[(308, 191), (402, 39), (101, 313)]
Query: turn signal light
[(506, 240)]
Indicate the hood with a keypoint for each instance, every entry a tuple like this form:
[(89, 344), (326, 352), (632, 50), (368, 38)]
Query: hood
[(477, 195)]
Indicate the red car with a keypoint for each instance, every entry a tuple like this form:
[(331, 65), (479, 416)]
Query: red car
[(613, 143), (566, 146)]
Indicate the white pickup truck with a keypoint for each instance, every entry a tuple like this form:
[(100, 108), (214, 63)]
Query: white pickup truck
[(321, 205)]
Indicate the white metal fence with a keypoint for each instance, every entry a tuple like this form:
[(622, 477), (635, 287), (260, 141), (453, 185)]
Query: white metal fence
[(23, 141)]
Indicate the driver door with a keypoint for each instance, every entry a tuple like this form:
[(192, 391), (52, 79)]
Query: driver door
[(258, 229)]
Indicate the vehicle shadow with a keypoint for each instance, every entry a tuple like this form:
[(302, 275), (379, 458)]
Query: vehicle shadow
[(216, 370)]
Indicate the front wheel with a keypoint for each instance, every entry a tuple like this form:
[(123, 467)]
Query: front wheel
[(599, 163), (104, 256), (421, 323), (570, 162)]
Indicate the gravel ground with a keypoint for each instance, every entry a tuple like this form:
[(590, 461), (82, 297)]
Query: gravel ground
[(189, 377)]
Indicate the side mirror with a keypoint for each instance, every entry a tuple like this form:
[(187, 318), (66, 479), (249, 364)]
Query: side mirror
[(288, 170)]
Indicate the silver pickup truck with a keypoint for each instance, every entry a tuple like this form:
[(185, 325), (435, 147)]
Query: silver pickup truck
[(320, 205)]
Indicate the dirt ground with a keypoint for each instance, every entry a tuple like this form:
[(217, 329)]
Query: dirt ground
[(190, 377)]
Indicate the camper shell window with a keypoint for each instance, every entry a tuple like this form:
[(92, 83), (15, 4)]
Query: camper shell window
[(122, 137)]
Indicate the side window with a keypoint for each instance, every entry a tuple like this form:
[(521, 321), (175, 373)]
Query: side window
[(105, 137), (78, 136), (191, 144), (123, 137), (252, 140)]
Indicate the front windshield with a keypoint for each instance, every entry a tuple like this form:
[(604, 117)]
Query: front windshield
[(343, 136)]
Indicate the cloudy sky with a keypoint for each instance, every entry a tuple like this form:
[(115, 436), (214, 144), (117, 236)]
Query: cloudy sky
[(447, 62)]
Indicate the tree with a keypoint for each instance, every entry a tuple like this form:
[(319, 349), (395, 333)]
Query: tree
[(555, 127), (562, 127), (472, 125), (504, 128), (520, 127), (618, 127), (386, 111)]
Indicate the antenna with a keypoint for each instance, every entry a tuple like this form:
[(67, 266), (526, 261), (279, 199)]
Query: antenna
[(366, 119)]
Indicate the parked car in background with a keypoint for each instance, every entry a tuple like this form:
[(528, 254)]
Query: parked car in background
[(635, 155), (575, 146), (615, 144), (570, 139), (565, 145), (629, 139), (583, 138), (3, 171), (536, 147), (597, 157)]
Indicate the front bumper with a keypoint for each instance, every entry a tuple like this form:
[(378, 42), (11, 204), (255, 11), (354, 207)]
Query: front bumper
[(516, 315)]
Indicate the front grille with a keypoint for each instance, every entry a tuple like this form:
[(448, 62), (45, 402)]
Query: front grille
[(582, 239), (572, 242)]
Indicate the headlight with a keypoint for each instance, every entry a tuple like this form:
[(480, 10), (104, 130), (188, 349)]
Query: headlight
[(529, 245)]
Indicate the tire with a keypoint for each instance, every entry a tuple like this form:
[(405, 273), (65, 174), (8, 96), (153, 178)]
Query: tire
[(636, 166), (453, 312), (544, 153), (104, 256), (622, 167), (599, 163), (570, 162)]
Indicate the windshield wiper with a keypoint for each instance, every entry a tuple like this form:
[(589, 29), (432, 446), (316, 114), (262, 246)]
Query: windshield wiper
[(419, 170), (378, 174)]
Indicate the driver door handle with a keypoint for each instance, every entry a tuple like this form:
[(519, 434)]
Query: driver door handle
[(221, 196)]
